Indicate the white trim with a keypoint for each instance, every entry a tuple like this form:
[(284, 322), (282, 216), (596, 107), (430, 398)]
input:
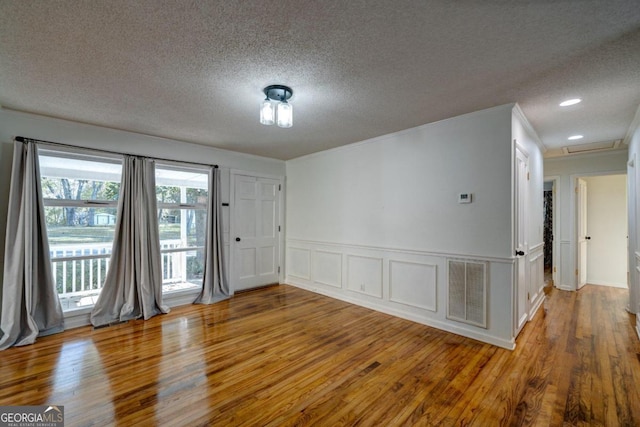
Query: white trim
[(447, 327), (532, 132), (505, 260), (635, 123), (309, 264), (536, 248), (433, 308), (610, 284), (77, 318)]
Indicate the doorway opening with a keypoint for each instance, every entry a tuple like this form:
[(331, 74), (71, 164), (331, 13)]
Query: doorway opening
[(548, 234), (601, 230)]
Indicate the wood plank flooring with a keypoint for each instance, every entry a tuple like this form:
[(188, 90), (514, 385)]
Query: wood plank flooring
[(282, 356)]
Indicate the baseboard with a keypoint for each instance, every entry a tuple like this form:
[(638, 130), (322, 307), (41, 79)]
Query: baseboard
[(610, 284), (478, 336), (77, 318)]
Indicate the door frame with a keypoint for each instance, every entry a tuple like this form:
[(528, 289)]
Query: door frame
[(573, 215), (232, 223)]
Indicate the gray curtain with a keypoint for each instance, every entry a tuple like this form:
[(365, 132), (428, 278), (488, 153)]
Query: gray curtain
[(214, 284), (30, 304), (133, 286)]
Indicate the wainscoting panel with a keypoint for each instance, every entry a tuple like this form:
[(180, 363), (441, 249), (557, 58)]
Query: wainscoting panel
[(299, 263), (536, 279), (413, 284), (402, 282), (328, 268), (364, 275)]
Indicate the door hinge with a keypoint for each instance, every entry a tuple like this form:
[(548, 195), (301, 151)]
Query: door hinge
[(279, 187), (554, 270), (528, 296), (278, 269), (527, 176), (576, 190), (278, 229), (576, 271)]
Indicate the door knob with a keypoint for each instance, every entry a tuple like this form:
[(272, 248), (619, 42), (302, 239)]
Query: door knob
[(519, 253), (237, 239), (587, 237)]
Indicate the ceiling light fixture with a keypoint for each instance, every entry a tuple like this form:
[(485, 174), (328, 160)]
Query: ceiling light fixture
[(574, 137), (275, 108), (569, 102)]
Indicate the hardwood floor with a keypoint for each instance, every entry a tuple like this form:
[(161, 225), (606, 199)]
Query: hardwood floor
[(284, 356)]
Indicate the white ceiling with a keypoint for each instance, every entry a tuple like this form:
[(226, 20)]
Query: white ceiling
[(194, 70)]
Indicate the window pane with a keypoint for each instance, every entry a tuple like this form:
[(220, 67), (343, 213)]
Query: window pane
[(182, 270), (80, 238), (182, 228), (167, 194), (71, 224), (77, 179), (79, 189)]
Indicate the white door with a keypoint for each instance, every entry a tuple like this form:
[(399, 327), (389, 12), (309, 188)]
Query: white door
[(256, 232), (521, 241), (583, 237)]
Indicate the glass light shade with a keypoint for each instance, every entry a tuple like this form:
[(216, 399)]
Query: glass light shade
[(285, 115), (267, 113)]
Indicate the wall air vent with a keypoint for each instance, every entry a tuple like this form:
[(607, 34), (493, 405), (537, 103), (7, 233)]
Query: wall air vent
[(593, 147), (467, 292)]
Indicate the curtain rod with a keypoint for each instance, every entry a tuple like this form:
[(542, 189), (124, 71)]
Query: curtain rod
[(40, 141)]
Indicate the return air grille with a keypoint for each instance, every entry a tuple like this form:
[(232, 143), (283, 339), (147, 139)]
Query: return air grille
[(467, 292), (593, 147)]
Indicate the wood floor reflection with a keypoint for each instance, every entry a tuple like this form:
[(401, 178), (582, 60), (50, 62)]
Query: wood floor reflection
[(284, 356)]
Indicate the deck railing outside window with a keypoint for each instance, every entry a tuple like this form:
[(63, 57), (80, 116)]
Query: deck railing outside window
[(79, 270)]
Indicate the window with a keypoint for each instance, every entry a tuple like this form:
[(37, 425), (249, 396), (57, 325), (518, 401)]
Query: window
[(80, 195), (183, 195)]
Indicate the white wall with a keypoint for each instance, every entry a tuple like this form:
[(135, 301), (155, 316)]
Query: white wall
[(401, 190), (375, 222), (14, 124), (607, 227), (567, 170)]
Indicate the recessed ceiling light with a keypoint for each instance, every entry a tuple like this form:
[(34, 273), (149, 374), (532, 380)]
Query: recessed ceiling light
[(574, 137), (568, 102)]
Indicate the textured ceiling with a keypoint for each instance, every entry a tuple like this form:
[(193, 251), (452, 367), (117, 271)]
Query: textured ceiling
[(194, 70)]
